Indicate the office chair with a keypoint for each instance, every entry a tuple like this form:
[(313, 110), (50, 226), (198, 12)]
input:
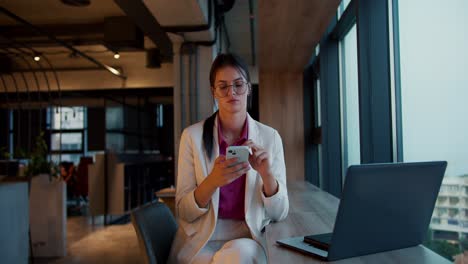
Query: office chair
[(155, 227), (82, 177)]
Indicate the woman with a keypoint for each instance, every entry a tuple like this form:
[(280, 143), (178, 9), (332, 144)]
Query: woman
[(223, 209)]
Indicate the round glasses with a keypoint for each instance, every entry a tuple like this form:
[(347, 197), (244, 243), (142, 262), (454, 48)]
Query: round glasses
[(238, 87)]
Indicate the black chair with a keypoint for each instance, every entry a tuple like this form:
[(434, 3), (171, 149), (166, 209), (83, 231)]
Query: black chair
[(155, 227)]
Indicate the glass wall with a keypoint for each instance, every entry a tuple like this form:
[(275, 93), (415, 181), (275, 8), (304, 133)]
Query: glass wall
[(434, 81), (350, 100), (68, 117), (67, 134), (115, 139)]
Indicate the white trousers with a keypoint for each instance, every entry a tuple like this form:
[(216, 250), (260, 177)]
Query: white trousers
[(231, 243)]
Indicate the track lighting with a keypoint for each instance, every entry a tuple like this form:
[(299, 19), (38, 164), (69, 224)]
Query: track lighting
[(114, 71)]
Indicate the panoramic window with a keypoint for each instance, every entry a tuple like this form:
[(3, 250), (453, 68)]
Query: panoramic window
[(433, 61), (350, 100)]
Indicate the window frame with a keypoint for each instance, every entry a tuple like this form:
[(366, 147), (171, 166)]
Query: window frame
[(376, 108)]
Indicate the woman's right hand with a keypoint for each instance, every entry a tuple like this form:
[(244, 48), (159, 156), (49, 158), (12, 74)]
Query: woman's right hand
[(224, 171)]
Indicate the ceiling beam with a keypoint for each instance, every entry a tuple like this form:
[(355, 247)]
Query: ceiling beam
[(58, 30), (73, 34), (290, 30), (104, 33), (137, 11), (40, 31)]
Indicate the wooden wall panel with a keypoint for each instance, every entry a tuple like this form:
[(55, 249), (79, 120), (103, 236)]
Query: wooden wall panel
[(288, 31), (281, 107)]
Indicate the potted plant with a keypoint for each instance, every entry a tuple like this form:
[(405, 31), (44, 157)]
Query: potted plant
[(47, 204), (8, 167), (38, 163), (4, 154)]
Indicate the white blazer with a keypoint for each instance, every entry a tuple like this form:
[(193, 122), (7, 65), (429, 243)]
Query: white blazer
[(196, 225)]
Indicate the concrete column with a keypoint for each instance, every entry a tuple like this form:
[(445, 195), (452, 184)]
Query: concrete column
[(176, 101), (192, 97), (205, 102)]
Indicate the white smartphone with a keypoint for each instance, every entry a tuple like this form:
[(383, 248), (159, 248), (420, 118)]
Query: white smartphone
[(239, 152)]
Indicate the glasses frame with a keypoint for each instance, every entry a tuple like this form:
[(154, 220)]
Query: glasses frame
[(232, 87)]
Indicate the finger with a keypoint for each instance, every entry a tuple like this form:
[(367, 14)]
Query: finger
[(237, 174), (256, 148), (237, 167), (233, 168), (230, 162), (243, 171), (262, 157), (220, 159), (232, 178), (251, 144), (251, 159), (258, 153), (248, 143)]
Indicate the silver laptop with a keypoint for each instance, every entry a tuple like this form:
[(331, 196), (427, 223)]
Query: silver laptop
[(383, 207)]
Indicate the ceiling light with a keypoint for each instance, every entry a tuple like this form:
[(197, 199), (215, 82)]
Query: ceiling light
[(114, 71), (116, 55)]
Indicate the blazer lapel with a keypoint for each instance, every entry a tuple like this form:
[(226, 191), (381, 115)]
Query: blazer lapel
[(210, 164), (251, 174)]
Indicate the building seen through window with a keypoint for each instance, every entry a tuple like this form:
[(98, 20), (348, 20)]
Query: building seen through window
[(433, 61)]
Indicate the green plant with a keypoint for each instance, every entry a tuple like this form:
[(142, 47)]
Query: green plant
[(4, 154), (20, 153), (464, 244), (38, 163), (443, 248)]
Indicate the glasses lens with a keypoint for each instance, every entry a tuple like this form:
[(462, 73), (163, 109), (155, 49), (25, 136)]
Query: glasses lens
[(239, 87), (222, 90)]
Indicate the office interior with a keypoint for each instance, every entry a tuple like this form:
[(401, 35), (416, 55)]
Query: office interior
[(95, 95)]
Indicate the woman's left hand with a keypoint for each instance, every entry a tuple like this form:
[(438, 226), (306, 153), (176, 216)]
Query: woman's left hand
[(260, 161)]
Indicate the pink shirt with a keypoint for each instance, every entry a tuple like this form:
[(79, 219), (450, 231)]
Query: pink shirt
[(231, 196)]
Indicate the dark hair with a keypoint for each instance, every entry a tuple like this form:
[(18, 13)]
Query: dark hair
[(208, 134), (228, 59), (221, 61)]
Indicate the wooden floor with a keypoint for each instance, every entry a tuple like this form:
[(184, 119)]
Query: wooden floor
[(98, 244)]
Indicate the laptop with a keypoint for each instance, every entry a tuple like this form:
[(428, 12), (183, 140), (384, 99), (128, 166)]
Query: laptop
[(383, 207)]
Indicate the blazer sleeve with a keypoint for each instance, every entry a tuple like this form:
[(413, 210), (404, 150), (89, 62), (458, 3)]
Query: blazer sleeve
[(186, 206), (277, 205)]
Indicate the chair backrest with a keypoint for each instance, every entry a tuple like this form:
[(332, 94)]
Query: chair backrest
[(82, 175), (155, 227)]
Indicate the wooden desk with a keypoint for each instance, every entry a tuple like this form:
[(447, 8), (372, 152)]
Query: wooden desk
[(312, 211)]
